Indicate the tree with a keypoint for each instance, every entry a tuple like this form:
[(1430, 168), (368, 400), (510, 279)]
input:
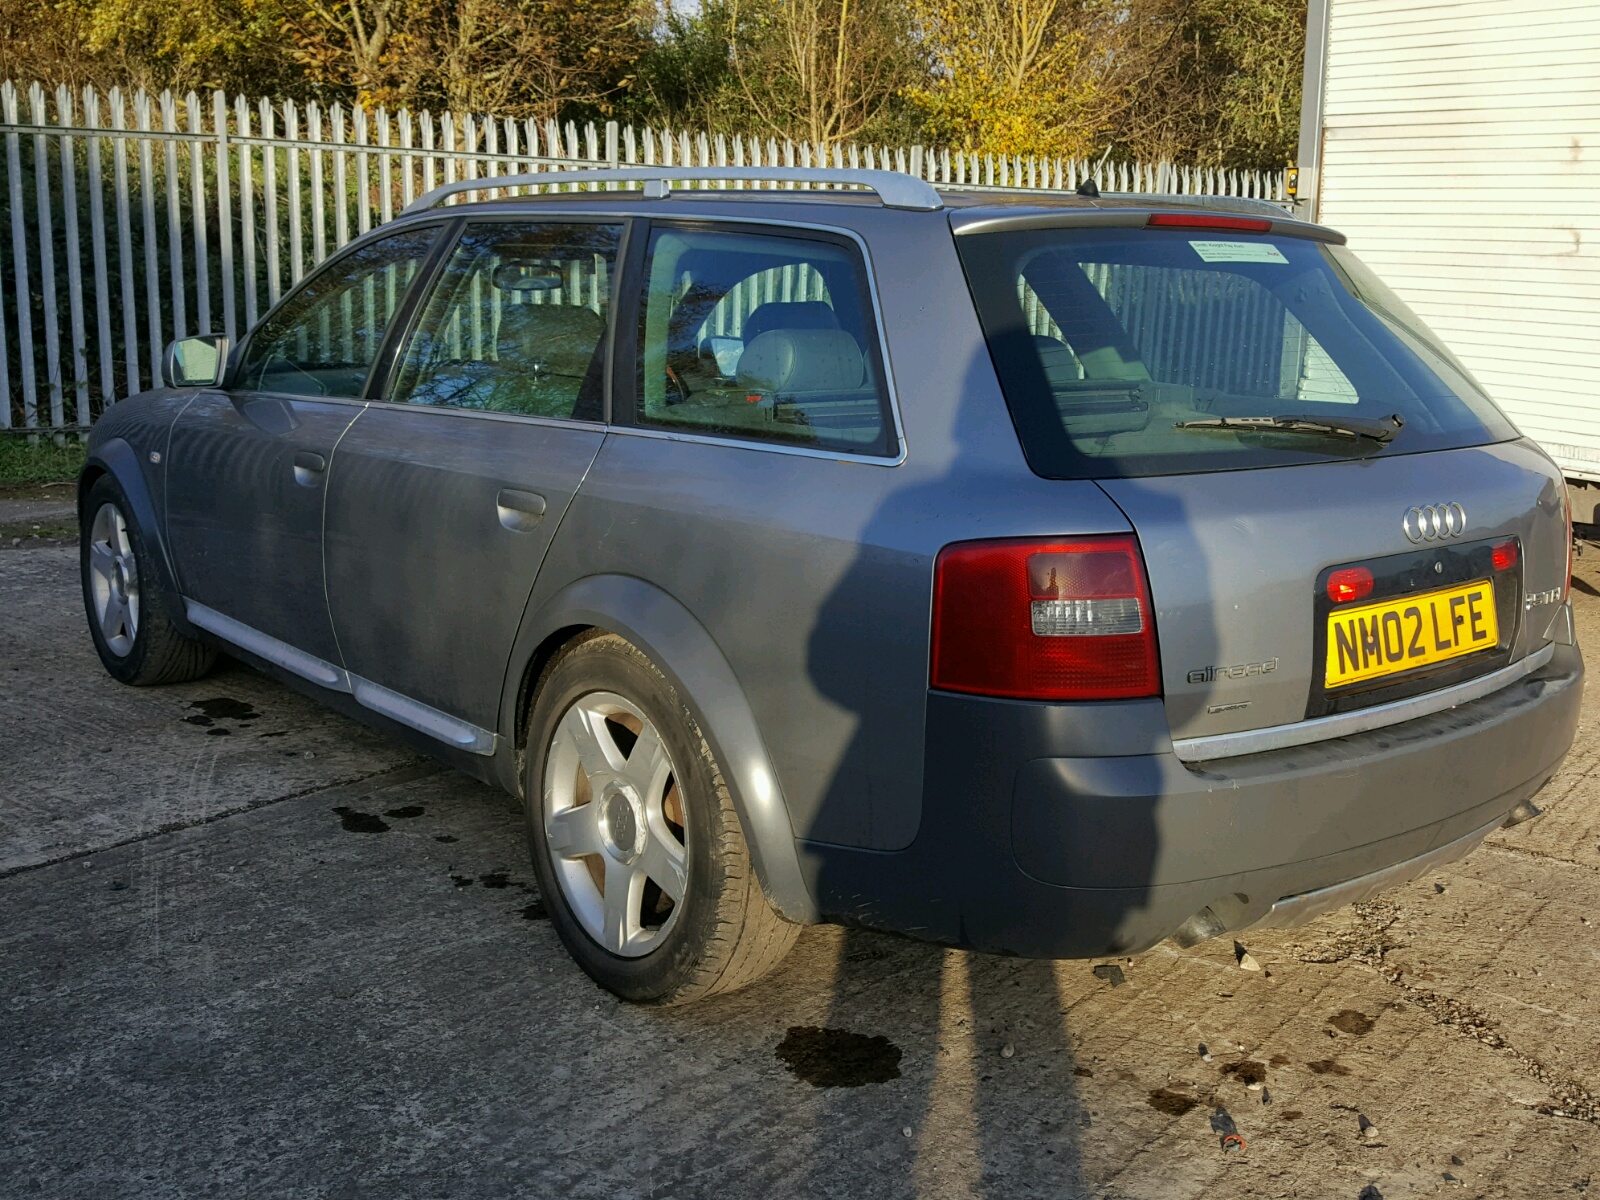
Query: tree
[(520, 58), (1211, 81), (1014, 76), (684, 73), (181, 44), (825, 71)]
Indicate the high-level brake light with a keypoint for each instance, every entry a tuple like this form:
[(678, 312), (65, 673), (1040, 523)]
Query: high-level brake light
[(1066, 619), (1208, 221)]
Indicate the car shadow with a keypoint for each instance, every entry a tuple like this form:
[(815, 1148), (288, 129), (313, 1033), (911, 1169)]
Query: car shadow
[(986, 1024)]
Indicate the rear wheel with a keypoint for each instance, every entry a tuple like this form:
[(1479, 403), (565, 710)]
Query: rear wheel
[(136, 640), (635, 840)]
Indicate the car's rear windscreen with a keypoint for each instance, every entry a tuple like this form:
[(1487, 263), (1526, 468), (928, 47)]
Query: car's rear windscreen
[(1115, 347)]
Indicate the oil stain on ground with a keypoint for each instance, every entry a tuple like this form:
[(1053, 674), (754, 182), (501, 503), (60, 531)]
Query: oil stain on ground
[(1352, 1022), (535, 911), (360, 822), (1174, 1104), (1327, 1066), (1248, 1070), (221, 708), (406, 812), (837, 1057)]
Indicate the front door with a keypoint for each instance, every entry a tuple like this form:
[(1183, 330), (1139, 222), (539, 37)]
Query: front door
[(443, 500), (248, 466)]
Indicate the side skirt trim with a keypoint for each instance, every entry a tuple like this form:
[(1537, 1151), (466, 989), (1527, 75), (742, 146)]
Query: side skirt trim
[(441, 726)]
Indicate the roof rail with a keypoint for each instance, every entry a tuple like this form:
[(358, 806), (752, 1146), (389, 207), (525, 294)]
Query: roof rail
[(896, 190)]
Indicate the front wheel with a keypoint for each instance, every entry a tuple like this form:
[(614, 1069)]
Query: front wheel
[(635, 840), (135, 638)]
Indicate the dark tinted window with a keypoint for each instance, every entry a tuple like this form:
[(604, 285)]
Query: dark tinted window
[(517, 322), (764, 337), (322, 341), (1109, 342)]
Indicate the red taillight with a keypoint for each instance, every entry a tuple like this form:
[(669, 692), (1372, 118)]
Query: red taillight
[(1349, 583), (1207, 221), (1044, 620), (1505, 556)]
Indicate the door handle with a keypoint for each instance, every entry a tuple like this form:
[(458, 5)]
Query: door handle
[(519, 511), (308, 468)]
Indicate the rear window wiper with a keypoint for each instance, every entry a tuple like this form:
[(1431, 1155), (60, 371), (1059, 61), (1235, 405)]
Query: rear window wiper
[(1380, 430)]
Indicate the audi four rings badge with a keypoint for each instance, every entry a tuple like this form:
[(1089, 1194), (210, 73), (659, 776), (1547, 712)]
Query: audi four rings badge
[(1434, 522)]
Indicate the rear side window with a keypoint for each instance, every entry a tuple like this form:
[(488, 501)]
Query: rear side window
[(1122, 351), (516, 322), (760, 336)]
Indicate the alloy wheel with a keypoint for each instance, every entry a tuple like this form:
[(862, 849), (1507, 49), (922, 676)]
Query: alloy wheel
[(114, 580), (614, 824)]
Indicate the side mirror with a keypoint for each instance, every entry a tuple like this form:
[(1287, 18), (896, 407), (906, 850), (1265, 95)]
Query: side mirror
[(195, 361)]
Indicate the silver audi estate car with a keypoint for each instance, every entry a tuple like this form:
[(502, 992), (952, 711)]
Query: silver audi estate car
[(1042, 574)]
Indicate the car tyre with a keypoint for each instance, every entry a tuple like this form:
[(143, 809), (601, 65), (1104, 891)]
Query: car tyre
[(133, 632), (625, 804)]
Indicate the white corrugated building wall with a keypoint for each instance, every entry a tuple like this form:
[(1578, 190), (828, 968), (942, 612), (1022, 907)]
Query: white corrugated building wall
[(1460, 151)]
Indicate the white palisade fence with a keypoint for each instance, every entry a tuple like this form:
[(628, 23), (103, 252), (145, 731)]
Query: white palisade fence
[(128, 220)]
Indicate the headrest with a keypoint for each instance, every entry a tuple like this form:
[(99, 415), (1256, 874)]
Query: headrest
[(802, 360), (799, 314), (544, 329), (516, 276)]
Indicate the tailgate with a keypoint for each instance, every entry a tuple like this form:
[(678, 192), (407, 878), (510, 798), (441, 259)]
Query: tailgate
[(1239, 565)]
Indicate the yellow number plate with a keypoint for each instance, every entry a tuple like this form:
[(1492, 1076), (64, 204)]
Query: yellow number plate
[(1373, 640)]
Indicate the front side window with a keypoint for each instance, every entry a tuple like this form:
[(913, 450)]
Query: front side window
[(761, 336), (1126, 352), (324, 338), (517, 322)]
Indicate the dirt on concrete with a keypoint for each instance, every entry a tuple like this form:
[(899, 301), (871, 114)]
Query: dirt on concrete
[(252, 948), (38, 514)]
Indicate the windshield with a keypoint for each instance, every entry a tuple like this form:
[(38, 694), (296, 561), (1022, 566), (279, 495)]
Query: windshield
[(1119, 349)]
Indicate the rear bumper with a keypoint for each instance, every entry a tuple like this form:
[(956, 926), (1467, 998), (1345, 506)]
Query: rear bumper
[(1070, 831)]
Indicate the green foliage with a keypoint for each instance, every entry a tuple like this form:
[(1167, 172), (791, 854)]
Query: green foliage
[(38, 460), (1213, 82), (685, 74)]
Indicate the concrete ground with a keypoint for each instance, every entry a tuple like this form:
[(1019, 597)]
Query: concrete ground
[(37, 514), (248, 948)]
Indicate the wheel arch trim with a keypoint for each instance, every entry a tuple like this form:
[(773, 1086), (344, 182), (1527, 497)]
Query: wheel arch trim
[(115, 457), (668, 633)]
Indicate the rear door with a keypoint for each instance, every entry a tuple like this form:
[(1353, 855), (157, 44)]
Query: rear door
[(247, 466), (444, 498), (1332, 514)]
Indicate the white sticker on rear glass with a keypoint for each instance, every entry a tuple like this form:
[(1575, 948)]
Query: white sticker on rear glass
[(1239, 252)]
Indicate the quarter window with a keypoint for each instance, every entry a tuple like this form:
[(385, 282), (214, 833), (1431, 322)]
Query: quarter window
[(758, 336), (325, 337), (517, 322)]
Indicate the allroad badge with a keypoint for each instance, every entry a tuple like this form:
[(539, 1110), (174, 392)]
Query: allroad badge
[(1233, 671), (1434, 522)]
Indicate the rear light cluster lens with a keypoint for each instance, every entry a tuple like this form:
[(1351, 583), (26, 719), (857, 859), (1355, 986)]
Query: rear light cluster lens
[(1505, 556), (1349, 583), (1056, 620)]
